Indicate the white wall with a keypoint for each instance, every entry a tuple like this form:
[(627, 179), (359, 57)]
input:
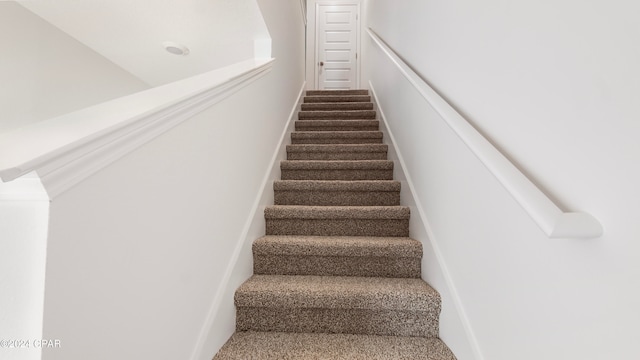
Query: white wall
[(24, 209), (552, 85), (286, 27), (132, 33), (137, 252), (143, 256), (45, 73)]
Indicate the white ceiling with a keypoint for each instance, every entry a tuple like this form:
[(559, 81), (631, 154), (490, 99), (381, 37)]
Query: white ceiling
[(130, 33)]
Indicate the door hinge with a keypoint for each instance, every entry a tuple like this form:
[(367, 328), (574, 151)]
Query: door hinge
[(356, 56)]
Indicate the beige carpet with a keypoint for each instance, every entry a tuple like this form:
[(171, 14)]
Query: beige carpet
[(336, 275), (301, 346)]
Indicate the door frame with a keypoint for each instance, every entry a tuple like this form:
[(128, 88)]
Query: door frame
[(312, 48)]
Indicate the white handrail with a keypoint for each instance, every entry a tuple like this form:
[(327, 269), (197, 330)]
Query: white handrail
[(549, 217), (66, 149)]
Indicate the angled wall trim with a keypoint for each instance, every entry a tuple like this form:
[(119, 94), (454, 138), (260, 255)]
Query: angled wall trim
[(66, 150)]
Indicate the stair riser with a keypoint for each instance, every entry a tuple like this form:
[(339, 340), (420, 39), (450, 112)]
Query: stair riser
[(338, 148), (306, 346), (364, 266), (337, 156), (336, 140), (338, 227), (337, 92), (337, 106), (336, 99), (337, 198), (337, 125), (337, 174), (339, 321), (336, 115)]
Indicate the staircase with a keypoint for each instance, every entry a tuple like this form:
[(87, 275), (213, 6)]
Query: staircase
[(336, 276)]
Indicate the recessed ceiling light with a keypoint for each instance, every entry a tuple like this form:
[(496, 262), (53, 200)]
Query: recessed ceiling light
[(175, 48)]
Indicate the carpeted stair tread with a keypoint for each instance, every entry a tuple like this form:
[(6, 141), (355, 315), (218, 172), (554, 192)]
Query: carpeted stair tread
[(338, 304), (351, 246), (337, 92), (336, 170), (337, 125), (336, 98), (305, 346), (390, 257), (337, 292), (337, 152), (337, 106), (337, 185), (336, 164), (336, 137), (339, 321), (337, 148), (336, 212), (337, 114), (379, 221), (337, 192)]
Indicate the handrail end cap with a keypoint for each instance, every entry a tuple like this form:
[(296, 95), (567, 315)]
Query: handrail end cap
[(576, 225)]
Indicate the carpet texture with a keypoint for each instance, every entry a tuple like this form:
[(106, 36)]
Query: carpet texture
[(300, 346), (393, 257), (336, 125), (337, 114), (337, 106), (337, 193), (337, 152), (336, 276), (336, 137), (310, 99)]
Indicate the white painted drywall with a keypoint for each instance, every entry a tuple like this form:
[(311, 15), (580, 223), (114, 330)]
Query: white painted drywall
[(24, 209), (139, 252), (434, 271), (286, 27), (131, 33), (46, 73), (552, 85)]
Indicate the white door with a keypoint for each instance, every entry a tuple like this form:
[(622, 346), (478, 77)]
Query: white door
[(337, 44)]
